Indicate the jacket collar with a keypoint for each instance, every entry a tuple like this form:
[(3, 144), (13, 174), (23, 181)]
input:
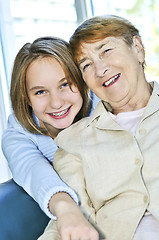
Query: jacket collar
[(153, 103), (103, 120)]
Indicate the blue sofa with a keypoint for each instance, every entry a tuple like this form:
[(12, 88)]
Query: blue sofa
[(20, 216)]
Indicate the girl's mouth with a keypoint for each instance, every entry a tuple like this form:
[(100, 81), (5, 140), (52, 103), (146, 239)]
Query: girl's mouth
[(111, 80), (60, 114)]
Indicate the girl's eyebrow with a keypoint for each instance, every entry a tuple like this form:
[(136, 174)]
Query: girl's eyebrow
[(36, 88), (62, 79), (42, 87)]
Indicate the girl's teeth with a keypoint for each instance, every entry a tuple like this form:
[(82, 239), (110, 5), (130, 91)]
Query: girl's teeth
[(60, 113)]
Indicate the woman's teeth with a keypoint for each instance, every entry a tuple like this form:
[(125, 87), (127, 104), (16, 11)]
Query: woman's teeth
[(111, 80)]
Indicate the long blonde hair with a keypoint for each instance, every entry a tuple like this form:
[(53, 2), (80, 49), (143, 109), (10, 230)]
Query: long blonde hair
[(43, 48)]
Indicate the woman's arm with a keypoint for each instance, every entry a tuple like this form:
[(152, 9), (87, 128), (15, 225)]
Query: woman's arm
[(28, 156)]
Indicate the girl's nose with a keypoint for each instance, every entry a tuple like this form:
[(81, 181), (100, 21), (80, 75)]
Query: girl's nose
[(56, 100)]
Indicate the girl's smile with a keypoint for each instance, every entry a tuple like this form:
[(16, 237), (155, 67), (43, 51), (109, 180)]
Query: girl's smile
[(60, 114)]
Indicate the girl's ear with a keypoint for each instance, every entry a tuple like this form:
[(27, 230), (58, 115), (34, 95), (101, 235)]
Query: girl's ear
[(138, 45), (28, 101)]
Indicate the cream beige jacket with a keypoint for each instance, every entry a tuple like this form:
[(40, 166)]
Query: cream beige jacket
[(115, 174)]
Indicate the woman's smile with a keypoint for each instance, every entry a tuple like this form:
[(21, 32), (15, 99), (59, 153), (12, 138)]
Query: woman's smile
[(111, 81)]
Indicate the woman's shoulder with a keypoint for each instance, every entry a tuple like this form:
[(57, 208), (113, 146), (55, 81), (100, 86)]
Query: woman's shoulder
[(72, 134)]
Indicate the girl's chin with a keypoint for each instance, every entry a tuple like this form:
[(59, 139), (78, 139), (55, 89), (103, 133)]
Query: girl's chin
[(63, 126)]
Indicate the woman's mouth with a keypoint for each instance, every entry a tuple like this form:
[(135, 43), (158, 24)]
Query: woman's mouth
[(60, 114), (111, 80)]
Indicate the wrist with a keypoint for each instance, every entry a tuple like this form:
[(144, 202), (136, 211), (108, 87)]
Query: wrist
[(61, 203)]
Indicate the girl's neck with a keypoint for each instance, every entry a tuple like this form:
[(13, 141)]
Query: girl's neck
[(50, 131)]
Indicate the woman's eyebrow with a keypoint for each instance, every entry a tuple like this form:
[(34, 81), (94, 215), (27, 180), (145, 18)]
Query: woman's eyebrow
[(106, 41), (82, 60), (96, 49), (100, 46)]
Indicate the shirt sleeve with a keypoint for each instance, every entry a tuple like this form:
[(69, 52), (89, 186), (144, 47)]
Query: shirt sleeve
[(69, 167), (95, 101), (29, 166)]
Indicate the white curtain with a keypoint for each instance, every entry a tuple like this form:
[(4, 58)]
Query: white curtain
[(7, 48)]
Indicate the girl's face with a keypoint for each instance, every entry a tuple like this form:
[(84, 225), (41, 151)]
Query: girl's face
[(52, 100)]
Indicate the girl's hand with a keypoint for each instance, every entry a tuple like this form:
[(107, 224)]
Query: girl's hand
[(74, 226), (71, 223)]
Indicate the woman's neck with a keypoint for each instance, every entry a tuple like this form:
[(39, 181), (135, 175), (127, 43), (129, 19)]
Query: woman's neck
[(137, 102)]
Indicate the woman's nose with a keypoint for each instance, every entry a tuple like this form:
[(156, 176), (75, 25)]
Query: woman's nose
[(100, 68)]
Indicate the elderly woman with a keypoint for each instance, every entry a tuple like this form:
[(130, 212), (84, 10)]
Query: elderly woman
[(112, 158)]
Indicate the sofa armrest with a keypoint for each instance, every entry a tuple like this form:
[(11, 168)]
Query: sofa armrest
[(20, 216)]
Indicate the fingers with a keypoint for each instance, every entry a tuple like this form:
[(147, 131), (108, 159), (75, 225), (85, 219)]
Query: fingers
[(80, 234)]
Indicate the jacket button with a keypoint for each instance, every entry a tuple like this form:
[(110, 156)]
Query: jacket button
[(142, 131), (145, 199), (137, 161)]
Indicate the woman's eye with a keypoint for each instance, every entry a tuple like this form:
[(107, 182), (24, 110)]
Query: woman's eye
[(107, 50), (85, 66)]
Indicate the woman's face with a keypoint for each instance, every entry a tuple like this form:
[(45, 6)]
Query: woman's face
[(51, 99), (112, 69)]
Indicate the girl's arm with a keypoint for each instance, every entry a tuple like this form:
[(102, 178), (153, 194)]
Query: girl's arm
[(71, 223), (28, 156), (69, 167)]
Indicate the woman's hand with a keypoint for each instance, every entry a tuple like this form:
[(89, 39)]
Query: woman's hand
[(71, 223)]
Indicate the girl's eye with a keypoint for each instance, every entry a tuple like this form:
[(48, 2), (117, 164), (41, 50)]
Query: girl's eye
[(40, 92), (64, 85)]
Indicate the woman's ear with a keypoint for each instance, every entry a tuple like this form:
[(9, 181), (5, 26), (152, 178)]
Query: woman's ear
[(138, 45)]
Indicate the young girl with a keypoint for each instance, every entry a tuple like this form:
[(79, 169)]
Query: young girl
[(47, 95)]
